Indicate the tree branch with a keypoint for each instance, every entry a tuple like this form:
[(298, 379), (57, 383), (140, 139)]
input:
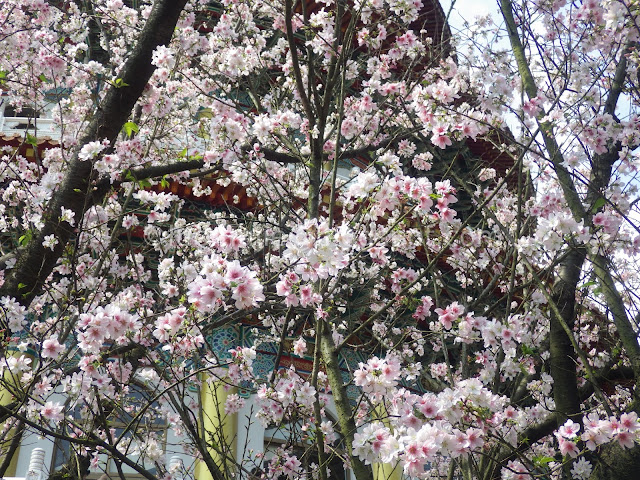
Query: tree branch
[(546, 129)]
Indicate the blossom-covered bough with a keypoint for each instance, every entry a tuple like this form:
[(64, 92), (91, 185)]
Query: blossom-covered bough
[(304, 172)]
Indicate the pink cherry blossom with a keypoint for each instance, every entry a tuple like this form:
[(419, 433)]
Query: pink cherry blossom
[(51, 348), (299, 347), (52, 411)]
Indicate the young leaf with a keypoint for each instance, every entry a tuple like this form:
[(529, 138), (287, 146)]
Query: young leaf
[(25, 239), (130, 128), (119, 83), (31, 140), (598, 204), (542, 460)]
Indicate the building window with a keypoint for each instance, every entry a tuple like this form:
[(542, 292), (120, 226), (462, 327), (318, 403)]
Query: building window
[(146, 439), (26, 112), (20, 120), (277, 438)]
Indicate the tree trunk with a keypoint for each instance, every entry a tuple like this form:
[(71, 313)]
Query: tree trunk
[(343, 408), (562, 355), (617, 463)]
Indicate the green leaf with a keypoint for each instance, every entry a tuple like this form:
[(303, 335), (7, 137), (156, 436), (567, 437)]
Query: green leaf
[(24, 240), (119, 83), (542, 460), (144, 183), (164, 183), (31, 140), (598, 204), (527, 350), (43, 78), (21, 286), (130, 128)]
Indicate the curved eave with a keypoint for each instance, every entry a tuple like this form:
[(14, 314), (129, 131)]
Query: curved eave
[(28, 150), (230, 196)]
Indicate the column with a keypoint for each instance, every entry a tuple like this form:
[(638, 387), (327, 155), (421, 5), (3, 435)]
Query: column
[(219, 429), (385, 471), (14, 363)]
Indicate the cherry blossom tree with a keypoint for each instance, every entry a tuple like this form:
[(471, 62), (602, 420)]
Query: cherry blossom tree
[(340, 181)]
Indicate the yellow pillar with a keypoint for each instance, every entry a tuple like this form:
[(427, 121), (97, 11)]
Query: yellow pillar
[(220, 429), (9, 386), (385, 471)]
